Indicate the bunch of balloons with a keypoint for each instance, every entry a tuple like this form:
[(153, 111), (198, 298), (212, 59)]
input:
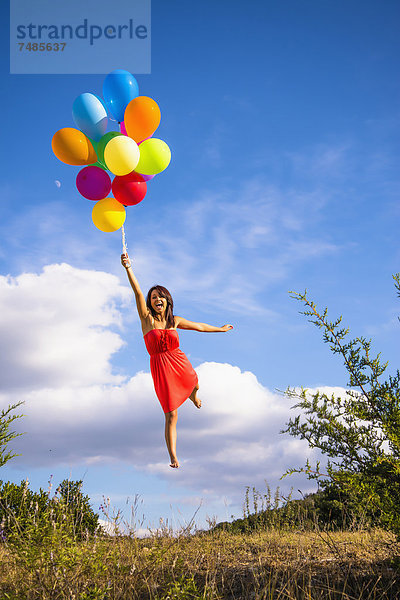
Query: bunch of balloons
[(131, 154)]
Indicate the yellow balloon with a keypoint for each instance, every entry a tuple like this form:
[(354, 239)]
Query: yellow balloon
[(155, 156), (121, 155), (108, 214)]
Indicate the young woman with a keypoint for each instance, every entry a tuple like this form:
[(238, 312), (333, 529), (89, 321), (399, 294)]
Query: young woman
[(174, 377)]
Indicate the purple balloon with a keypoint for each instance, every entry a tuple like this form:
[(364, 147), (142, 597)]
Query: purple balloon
[(93, 183), (146, 177)]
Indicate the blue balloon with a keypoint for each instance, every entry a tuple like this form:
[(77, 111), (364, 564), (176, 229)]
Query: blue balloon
[(90, 115), (119, 88)]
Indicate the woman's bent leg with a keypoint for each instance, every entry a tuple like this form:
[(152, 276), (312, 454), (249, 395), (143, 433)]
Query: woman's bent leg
[(171, 419), (193, 396)]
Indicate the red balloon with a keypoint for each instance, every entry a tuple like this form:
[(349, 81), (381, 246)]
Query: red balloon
[(93, 183), (129, 189)]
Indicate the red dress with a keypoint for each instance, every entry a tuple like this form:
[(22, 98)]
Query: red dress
[(173, 376)]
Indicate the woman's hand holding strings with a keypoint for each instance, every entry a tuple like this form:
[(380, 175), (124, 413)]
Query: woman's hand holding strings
[(125, 260)]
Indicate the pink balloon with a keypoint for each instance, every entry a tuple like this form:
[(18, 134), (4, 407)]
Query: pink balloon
[(122, 128), (93, 183)]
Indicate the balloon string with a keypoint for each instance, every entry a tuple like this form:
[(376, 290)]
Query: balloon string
[(124, 246)]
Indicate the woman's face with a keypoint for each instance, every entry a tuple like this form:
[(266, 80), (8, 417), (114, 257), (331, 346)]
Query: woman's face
[(158, 303)]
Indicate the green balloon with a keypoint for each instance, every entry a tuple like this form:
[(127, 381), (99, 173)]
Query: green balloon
[(103, 143), (99, 164)]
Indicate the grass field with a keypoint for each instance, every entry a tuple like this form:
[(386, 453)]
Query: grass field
[(272, 564)]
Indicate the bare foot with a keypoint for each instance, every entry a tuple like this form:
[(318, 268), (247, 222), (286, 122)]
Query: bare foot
[(174, 463), (193, 396)]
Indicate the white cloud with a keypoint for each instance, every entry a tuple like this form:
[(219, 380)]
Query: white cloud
[(232, 441), (324, 160), (58, 329), (55, 327)]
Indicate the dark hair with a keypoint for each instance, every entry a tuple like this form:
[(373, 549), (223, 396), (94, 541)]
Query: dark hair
[(164, 293)]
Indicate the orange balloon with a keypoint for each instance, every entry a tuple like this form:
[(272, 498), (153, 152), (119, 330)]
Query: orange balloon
[(142, 117), (71, 146)]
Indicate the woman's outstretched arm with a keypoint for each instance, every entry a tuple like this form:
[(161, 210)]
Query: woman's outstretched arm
[(182, 323), (140, 300)]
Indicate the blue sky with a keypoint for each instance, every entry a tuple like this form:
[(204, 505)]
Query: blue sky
[(283, 121)]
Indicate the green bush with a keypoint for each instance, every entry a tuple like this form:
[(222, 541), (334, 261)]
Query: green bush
[(330, 508), (358, 431), (35, 516), (6, 418), (338, 508), (84, 519)]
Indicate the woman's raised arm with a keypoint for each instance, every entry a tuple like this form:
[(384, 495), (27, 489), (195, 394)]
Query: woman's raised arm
[(140, 300), (182, 323)]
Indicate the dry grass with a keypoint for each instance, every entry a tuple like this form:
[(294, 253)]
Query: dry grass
[(260, 565)]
